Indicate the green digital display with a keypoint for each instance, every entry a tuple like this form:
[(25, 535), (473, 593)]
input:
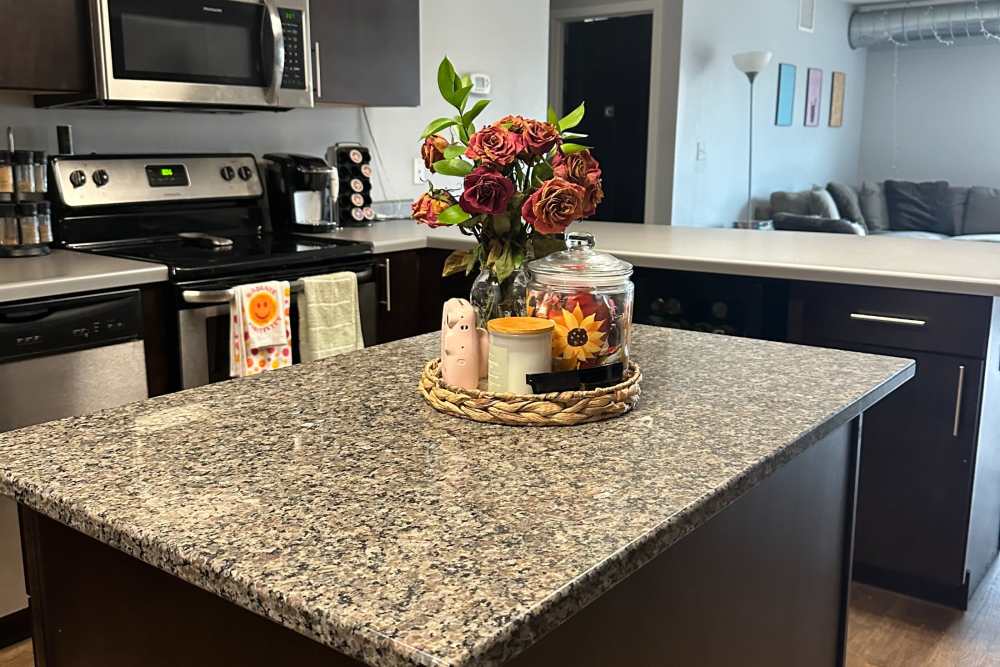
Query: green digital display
[(289, 15), (166, 171)]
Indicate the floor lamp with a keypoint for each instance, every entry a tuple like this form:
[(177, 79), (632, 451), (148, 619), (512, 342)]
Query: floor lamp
[(751, 63)]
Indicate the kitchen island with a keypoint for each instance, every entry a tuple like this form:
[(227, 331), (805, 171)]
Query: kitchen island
[(324, 515)]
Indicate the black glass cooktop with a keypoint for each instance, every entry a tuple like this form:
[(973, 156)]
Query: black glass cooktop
[(196, 258)]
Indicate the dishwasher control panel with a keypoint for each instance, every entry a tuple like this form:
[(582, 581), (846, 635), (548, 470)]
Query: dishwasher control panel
[(53, 326)]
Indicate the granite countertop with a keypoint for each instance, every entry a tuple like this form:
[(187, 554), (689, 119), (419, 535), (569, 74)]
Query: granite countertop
[(960, 267), (67, 272), (329, 498)]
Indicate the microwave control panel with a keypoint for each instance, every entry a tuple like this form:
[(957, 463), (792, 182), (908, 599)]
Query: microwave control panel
[(295, 53)]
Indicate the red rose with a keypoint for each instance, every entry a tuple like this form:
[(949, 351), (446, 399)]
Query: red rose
[(487, 192), (516, 125), (494, 145), (432, 150), (554, 205), (429, 205), (581, 168), (539, 138)]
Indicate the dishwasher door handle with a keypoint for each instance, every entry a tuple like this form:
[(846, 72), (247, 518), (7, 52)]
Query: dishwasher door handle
[(888, 319)]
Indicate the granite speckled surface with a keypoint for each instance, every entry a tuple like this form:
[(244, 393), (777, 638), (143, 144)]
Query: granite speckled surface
[(367, 521)]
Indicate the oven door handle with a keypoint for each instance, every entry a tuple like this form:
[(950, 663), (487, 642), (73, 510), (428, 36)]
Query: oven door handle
[(226, 295), (273, 20)]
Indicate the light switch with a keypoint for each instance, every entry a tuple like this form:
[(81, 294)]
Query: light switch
[(421, 174), (701, 153)]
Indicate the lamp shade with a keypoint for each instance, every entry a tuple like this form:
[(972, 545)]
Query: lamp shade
[(752, 62)]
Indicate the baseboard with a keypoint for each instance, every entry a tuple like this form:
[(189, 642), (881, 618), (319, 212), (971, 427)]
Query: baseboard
[(15, 627), (950, 596)]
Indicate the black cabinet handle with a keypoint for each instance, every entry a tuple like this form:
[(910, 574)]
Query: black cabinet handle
[(887, 319), (387, 265), (958, 400)]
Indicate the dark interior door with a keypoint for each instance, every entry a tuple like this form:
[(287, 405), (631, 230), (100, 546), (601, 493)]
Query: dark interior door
[(607, 64)]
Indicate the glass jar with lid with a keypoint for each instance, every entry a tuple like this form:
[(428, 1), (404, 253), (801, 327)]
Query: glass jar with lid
[(588, 295)]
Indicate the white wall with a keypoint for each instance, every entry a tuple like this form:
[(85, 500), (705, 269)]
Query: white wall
[(948, 113), (714, 99), (507, 40)]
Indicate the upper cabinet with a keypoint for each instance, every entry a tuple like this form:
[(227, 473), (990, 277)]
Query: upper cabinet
[(46, 46), (367, 51)]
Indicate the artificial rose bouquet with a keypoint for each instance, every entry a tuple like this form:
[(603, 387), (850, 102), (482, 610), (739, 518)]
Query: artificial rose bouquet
[(524, 184)]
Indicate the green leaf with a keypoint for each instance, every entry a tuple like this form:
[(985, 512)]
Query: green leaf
[(542, 172), (501, 224), (437, 125), (453, 215), (569, 149), (573, 118), (542, 246), (453, 151), (476, 109), (463, 133), (504, 265), (461, 97), (447, 80), (452, 167), (553, 116), (458, 261)]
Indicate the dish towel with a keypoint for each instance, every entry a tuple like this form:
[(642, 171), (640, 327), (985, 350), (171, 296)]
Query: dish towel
[(260, 328), (329, 316)]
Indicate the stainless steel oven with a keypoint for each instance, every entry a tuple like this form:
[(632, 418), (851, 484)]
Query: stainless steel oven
[(203, 320), (239, 54)]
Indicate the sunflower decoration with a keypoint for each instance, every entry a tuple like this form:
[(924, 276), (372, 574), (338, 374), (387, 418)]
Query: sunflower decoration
[(577, 338)]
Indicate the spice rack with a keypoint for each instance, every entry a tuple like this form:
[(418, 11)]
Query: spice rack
[(25, 213)]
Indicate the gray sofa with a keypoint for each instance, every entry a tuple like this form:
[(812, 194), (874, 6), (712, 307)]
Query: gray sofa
[(894, 208)]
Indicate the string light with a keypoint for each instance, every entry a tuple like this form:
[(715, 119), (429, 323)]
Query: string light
[(888, 34), (984, 31), (946, 42)]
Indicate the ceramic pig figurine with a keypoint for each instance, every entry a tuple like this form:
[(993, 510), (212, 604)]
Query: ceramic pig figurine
[(464, 348)]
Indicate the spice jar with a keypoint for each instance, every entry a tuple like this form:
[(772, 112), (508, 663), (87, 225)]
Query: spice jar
[(6, 173), (27, 222), (519, 346), (24, 171), (40, 166), (8, 225), (588, 295), (44, 222)]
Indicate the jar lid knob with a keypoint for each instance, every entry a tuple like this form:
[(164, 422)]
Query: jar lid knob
[(576, 240)]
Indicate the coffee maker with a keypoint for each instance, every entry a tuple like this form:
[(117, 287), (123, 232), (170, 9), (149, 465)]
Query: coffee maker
[(302, 190)]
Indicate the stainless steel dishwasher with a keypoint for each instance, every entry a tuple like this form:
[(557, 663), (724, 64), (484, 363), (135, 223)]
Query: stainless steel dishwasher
[(59, 358)]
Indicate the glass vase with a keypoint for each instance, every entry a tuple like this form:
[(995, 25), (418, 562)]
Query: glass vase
[(492, 298)]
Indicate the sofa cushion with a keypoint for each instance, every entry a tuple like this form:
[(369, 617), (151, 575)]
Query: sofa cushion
[(931, 236), (959, 200), (988, 238), (847, 202), (873, 206), (790, 222), (821, 203), (921, 207), (796, 203), (982, 212)]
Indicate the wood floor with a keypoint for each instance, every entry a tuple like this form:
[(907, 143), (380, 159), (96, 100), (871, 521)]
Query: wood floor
[(886, 630)]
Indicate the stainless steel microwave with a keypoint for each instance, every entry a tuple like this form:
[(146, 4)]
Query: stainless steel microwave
[(208, 54)]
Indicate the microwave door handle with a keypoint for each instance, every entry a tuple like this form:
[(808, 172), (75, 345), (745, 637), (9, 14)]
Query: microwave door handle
[(278, 55)]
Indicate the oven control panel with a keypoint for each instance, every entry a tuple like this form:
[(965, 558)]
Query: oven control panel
[(96, 180)]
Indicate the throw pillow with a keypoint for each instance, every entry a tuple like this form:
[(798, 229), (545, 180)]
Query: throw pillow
[(959, 200), (874, 207), (821, 203), (790, 222), (790, 202), (982, 213), (847, 202), (922, 207)]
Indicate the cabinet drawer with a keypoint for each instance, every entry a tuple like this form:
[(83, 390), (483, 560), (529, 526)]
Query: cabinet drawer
[(901, 319)]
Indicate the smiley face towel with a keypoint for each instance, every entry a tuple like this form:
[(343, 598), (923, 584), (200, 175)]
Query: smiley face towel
[(260, 328)]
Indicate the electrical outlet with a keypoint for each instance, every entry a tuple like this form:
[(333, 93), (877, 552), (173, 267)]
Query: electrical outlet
[(421, 174)]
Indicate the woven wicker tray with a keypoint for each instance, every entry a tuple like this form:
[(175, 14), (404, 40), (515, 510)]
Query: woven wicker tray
[(566, 408)]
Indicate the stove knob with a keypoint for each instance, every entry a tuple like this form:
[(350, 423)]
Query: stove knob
[(246, 173), (228, 173), (78, 178), (101, 178)]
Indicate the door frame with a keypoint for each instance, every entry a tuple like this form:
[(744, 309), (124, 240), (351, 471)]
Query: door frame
[(557, 40)]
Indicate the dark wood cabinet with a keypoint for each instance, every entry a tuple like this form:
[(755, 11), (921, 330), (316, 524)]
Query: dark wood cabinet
[(367, 51), (46, 46)]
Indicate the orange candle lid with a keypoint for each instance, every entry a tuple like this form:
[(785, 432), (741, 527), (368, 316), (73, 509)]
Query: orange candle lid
[(520, 326)]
